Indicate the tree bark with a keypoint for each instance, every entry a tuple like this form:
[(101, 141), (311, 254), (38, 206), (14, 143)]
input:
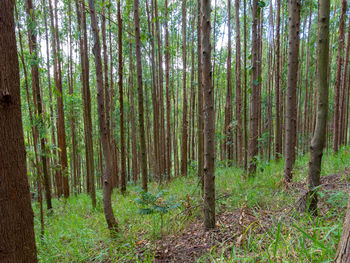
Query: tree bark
[(209, 119), (200, 100), (121, 102), (278, 132), (319, 137), (238, 86), (102, 121), (36, 92), (184, 110), (336, 119), (140, 95), (228, 144), (17, 242), (291, 103), (343, 255), (253, 138)]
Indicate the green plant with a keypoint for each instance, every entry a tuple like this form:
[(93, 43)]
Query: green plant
[(155, 204)]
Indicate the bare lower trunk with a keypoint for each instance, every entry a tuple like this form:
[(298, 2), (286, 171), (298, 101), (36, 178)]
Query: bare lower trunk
[(291, 103), (319, 138), (209, 120), (17, 240), (102, 121)]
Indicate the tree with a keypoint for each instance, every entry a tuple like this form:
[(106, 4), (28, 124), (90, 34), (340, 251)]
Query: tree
[(343, 255), (102, 121), (36, 91), (120, 83), (291, 102), (184, 110), (253, 138), (140, 96), (228, 144), (336, 119), (278, 132), (89, 146), (200, 100), (239, 143), (319, 137), (209, 119), (17, 240)]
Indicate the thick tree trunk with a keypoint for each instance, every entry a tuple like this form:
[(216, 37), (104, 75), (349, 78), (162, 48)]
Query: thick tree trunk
[(102, 121), (319, 138), (291, 103), (209, 119), (17, 242)]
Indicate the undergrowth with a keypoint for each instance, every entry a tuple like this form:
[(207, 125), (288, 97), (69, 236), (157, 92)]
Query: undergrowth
[(78, 233)]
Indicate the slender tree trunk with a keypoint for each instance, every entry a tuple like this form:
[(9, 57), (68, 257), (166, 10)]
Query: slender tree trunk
[(86, 96), (140, 95), (342, 110), (107, 186), (36, 92), (120, 83), (184, 110), (238, 86), (168, 101), (278, 132), (253, 139), (319, 138), (17, 240), (200, 100), (336, 119), (228, 144), (209, 119), (245, 89), (291, 103)]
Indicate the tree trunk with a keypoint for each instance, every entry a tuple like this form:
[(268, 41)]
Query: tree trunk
[(120, 83), (291, 103), (102, 121), (238, 86), (319, 138), (140, 96), (167, 93), (86, 96), (278, 132), (253, 139), (36, 92), (184, 110), (209, 119), (343, 255), (17, 240), (228, 144), (200, 100), (336, 119)]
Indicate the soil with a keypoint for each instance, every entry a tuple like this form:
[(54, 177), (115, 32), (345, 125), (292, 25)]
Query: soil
[(231, 227)]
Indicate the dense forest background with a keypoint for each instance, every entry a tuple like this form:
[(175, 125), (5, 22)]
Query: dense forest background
[(123, 99)]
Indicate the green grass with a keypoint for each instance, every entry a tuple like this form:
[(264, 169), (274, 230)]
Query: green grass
[(78, 233)]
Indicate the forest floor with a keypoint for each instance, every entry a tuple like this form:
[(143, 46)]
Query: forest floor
[(258, 220)]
